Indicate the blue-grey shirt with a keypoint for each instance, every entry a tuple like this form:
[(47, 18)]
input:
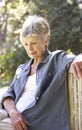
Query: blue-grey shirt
[(51, 109)]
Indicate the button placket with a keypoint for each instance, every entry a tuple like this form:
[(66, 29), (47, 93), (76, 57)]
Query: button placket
[(37, 98), (37, 76), (49, 74)]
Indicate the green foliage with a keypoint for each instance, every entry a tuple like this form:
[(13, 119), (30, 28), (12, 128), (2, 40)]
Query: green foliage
[(64, 17), (11, 54), (10, 60)]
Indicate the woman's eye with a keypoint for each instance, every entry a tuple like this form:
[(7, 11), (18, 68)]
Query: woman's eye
[(34, 43), (26, 44)]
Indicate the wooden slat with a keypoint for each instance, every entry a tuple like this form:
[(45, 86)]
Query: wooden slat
[(75, 102)]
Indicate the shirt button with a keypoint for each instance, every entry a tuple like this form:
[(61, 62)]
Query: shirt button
[(37, 76), (37, 98), (18, 76), (49, 74)]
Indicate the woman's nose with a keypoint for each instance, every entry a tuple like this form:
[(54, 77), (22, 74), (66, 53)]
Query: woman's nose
[(29, 47)]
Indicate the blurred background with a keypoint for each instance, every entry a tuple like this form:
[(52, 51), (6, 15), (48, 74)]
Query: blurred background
[(64, 16)]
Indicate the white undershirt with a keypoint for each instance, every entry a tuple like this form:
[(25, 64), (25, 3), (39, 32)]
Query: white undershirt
[(27, 99)]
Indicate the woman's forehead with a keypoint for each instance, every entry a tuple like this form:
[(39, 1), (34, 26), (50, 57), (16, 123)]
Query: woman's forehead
[(31, 38)]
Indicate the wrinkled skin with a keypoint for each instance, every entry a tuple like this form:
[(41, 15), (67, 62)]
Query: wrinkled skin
[(76, 67)]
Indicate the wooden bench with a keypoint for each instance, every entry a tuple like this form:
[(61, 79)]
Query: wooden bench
[(75, 102)]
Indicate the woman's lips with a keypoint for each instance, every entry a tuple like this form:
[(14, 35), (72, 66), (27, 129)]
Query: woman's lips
[(32, 53)]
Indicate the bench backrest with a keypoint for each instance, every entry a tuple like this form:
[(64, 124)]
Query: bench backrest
[(75, 102)]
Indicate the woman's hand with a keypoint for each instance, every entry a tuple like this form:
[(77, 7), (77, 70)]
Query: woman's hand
[(76, 67), (18, 121)]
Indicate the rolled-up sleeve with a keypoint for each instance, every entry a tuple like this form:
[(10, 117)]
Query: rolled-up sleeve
[(9, 93), (11, 90)]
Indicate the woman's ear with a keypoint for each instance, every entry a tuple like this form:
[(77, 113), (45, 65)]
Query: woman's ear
[(47, 41)]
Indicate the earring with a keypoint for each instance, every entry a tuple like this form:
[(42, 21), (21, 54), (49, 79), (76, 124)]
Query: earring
[(46, 46)]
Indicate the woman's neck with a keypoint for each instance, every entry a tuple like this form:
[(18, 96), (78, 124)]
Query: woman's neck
[(34, 65), (37, 61), (33, 69)]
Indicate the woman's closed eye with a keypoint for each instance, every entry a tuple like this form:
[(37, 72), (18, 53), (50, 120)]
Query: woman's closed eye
[(26, 44), (30, 44), (34, 43)]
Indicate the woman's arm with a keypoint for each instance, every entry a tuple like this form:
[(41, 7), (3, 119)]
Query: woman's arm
[(9, 105), (17, 119), (76, 67)]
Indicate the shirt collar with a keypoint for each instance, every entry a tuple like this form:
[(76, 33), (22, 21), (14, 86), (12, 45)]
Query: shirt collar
[(45, 59), (46, 56)]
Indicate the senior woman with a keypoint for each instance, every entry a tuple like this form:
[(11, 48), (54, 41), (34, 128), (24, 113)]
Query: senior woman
[(37, 96)]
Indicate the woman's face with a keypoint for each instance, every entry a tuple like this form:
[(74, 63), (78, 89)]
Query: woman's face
[(34, 46)]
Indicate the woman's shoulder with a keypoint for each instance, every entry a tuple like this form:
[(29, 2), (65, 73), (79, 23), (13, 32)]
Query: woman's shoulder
[(57, 52), (22, 67)]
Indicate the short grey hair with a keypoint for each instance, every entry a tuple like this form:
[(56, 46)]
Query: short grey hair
[(35, 25)]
